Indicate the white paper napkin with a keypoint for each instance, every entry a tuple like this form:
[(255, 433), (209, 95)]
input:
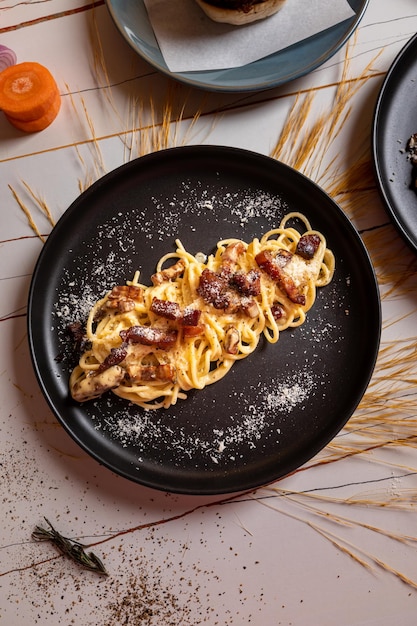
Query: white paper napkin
[(190, 41)]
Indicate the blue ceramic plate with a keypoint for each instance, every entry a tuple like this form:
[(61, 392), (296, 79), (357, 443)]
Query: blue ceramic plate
[(131, 18)]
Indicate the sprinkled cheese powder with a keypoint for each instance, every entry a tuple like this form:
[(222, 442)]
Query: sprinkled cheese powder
[(269, 404), (72, 308), (292, 392)]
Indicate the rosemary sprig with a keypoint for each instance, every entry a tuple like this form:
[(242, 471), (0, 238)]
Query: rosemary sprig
[(70, 548)]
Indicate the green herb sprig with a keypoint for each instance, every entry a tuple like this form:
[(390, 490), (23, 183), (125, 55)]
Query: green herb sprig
[(70, 548)]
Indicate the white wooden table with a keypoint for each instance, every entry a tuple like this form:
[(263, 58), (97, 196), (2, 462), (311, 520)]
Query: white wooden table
[(335, 543)]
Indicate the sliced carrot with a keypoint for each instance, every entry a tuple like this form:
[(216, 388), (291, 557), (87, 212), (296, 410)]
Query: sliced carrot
[(27, 91), (33, 126)]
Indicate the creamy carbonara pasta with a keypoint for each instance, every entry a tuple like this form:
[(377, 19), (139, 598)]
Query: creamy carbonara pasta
[(152, 344)]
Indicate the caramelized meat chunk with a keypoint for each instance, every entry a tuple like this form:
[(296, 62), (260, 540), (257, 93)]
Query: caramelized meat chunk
[(231, 291), (232, 252), (277, 311), (148, 336), (191, 317), (190, 322), (250, 307), (288, 286), (272, 264), (412, 148), (283, 257), (116, 356), (188, 318), (193, 331), (151, 373), (171, 273), (123, 297), (248, 284), (308, 246), (213, 289), (274, 267), (166, 308)]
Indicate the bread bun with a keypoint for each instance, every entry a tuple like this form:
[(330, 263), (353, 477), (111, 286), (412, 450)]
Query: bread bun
[(240, 11)]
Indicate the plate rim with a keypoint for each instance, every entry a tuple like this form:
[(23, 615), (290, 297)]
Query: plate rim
[(187, 78), (31, 331), (377, 120)]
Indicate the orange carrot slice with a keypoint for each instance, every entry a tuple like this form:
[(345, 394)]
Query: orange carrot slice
[(33, 126), (27, 91)]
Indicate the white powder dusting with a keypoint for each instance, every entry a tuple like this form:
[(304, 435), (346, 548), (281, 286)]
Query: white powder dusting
[(87, 278), (293, 391), (325, 332), (71, 307), (262, 414), (261, 205), (147, 428)]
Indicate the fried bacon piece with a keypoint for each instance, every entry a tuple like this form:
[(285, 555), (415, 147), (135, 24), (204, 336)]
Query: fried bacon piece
[(123, 297), (171, 273), (231, 291), (149, 336), (232, 252), (193, 331), (271, 264), (213, 289), (190, 323), (190, 317), (277, 311), (166, 308), (116, 356), (151, 373), (248, 284), (250, 307), (283, 257), (412, 148), (307, 246), (274, 267)]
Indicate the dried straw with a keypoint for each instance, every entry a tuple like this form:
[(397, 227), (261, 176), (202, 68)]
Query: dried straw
[(312, 504), (40, 202), (28, 214)]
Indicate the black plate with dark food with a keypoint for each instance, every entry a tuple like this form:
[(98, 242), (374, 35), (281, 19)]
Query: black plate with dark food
[(395, 120), (274, 410)]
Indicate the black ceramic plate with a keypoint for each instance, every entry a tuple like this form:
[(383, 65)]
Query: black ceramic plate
[(275, 409), (395, 121)]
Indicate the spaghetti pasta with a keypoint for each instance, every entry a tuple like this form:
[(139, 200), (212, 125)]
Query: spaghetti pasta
[(152, 344)]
